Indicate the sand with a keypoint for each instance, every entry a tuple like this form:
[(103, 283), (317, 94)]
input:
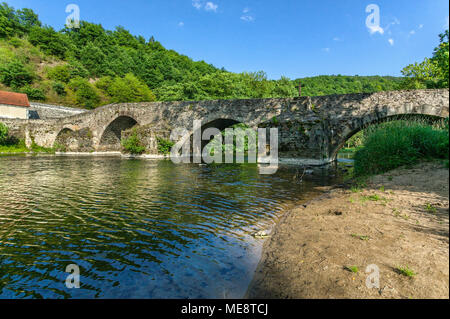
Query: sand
[(398, 219)]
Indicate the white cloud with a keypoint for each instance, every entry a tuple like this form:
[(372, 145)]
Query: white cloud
[(207, 6), (395, 22), (197, 4), (375, 28), (247, 16), (210, 6), (181, 24), (391, 41), (413, 32), (337, 39)]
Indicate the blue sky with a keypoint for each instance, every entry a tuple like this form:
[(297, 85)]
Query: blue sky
[(291, 38)]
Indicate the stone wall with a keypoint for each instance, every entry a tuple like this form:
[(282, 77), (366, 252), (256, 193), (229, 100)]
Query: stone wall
[(48, 111)]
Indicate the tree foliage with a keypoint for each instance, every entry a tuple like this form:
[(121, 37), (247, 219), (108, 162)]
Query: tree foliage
[(433, 72), (15, 74)]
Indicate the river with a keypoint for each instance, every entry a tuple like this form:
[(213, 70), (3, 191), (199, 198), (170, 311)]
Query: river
[(137, 228)]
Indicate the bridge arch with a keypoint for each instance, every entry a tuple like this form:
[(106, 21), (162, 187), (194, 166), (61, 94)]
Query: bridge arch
[(62, 134), (112, 133)]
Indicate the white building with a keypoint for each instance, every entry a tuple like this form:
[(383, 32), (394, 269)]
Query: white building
[(14, 105)]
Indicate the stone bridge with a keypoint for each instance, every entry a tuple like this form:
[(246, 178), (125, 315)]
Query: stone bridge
[(311, 129)]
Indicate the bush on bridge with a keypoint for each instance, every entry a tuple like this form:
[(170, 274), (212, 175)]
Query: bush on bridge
[(132, 144), (3, 133)]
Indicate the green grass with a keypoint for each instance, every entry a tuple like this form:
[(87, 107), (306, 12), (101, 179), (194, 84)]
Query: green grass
[(405, 271), (397, 143), (348, 150), (353, 269), (14, 149), (358, 185), (362, 237), (430, 208), (20, 147), (397, 213), (372, 198), (40, 149), (445, 163)]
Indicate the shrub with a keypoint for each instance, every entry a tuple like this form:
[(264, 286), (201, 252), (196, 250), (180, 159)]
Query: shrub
[(34, 93), (3, 133), (60, 73), (127, 89), (15, 74), (397, 143), (64, 73), (59, 88), (133, 145), (5, 138), (85, 94), (164, 146)]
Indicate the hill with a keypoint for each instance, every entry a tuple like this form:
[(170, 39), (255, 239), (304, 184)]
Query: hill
[(92, 66)]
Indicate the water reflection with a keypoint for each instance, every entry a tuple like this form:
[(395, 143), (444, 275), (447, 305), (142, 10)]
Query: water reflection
[(136, 228)]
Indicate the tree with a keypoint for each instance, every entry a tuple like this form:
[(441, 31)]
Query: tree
[(93, 60), (420, 75), (128, 89), (432, 72), (83, 93), (28, 19), (441, 59), (8, 21), (14, 74), (50, 41)]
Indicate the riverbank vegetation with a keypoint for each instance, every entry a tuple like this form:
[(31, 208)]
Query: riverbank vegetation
[(389, 145), (133, 144)]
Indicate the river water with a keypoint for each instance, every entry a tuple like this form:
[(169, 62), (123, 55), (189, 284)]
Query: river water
[(137, 228)]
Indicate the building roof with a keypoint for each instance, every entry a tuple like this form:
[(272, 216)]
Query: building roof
[(16, 99)]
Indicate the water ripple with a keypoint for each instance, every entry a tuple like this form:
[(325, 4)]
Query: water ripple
[(136, 229)]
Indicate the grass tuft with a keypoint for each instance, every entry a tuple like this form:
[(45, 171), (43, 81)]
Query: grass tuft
[(353, 269), (405, 271), (362, 237), (430, 208)]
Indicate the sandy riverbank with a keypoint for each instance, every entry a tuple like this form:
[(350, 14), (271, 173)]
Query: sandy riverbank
[(399, 219)]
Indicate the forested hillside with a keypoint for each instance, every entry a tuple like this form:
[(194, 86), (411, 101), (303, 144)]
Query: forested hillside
[(91, 66), (341, 84)]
